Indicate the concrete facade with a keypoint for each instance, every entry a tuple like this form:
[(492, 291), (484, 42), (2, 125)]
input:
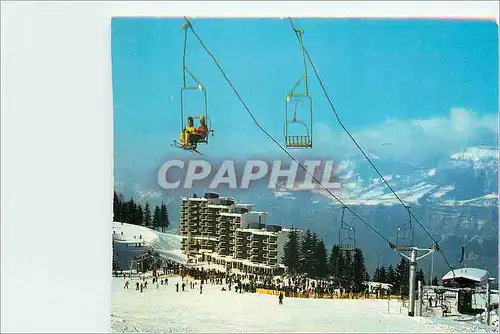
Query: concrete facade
[(217, 229)]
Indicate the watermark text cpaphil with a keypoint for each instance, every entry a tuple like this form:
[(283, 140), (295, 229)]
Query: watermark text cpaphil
[(175, 174)]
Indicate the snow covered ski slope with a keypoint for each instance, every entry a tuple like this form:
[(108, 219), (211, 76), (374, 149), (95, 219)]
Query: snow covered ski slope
[(165, 310)]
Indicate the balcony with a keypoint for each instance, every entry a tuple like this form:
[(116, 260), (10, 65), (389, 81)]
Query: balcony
[(255, 251), (254, 258)]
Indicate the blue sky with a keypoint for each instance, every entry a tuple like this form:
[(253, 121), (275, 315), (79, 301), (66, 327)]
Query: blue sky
[(427, 87)]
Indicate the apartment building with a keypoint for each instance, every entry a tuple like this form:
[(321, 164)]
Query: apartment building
[(199, 225), (218, 230)]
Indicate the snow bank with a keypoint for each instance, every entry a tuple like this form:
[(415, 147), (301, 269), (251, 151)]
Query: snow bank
[(166, 244), (128, 233)]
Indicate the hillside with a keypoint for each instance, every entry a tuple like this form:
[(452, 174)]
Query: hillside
[(166, 244), (454, 196)]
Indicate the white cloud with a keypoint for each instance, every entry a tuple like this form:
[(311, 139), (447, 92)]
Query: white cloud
[(415, 139)]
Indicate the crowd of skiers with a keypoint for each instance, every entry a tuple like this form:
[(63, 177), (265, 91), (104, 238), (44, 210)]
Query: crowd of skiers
[(299, 284), (239, 283)]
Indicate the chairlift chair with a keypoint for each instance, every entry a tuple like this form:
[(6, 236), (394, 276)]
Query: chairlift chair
[(197, 86), (405, 234), (347, 235), (293, 137), (302, 138)]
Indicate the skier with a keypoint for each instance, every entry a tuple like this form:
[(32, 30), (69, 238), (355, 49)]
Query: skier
[(177, 287), (280, 298), (126, 285), (142, 287), (201, 289), (137, 286), (183, 286)]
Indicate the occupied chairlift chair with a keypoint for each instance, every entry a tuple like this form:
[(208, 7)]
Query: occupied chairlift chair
[(193, 87)]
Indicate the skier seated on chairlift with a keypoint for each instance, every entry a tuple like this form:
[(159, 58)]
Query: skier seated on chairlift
[(190, 136)]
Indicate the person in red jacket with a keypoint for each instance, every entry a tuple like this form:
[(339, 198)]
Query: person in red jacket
[(200, 133)]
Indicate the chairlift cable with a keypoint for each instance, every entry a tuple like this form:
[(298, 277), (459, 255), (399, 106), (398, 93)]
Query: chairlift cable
[(366, 156), (272, 138)]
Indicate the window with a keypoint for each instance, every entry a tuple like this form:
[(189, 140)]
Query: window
[(260, 218)]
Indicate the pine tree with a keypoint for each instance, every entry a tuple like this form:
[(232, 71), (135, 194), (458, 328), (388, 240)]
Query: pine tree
[(147, 216), (391, 275), (313, 260), (139, 215), (291, 251), (125, 212), (341, 268), (305, 253), (132, 213), (321, 260), (421, 276), (164, 216), (157, 219), (347, 269), (435, 281), (376, 275), (359, 270), (116, 208), (402, 277), (382, 275), (333, 263)]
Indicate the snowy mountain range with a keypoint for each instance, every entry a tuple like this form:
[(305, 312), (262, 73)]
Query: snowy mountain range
[(455, 196), (466, 178)]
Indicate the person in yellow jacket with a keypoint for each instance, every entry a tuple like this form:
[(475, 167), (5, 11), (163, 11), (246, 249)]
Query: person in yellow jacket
[(186, 132)]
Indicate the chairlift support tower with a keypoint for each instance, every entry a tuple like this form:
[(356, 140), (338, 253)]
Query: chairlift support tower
[(406, 248)]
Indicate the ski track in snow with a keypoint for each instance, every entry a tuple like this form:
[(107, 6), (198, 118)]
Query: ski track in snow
[(167, 311)]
